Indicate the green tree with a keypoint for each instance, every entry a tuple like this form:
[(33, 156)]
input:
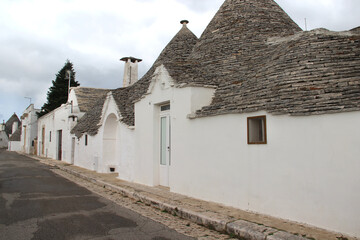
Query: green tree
[(58, 92)]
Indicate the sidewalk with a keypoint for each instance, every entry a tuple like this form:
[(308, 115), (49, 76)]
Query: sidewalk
[(242, 224)]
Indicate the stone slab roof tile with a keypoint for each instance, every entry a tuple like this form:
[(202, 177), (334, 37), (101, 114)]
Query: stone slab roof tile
[(89, 122), (309, 73), (9, 123), (173, 55), (86, 97), (235, 39), (16, 137)]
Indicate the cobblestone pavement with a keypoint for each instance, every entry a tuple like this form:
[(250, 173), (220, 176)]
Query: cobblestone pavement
[(173, 222)]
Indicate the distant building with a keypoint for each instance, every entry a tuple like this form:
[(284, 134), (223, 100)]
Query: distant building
[(15, 141), (54, 139), (7, 129), (4, 139), (29, 129)]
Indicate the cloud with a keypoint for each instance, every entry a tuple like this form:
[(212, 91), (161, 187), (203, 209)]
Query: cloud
[(335, 15)]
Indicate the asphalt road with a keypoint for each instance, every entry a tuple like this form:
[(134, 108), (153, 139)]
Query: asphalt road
[(36, 203)]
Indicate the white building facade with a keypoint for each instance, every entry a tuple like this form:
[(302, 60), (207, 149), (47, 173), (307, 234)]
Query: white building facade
[(29, 130), (54, 138), (4, 139)]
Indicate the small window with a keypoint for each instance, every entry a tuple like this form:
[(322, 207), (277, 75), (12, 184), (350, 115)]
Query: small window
[(165, 107), (50, 136), (32, 143), (86, 140), (256, 128)]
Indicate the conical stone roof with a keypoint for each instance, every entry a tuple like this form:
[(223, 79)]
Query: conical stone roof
[(174, 54), (235, 37), (9, 123)]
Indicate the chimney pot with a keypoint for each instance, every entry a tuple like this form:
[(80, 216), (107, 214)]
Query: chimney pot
[(130, 70), (184, 22)]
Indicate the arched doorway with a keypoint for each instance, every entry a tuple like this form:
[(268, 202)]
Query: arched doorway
[(109, 144)]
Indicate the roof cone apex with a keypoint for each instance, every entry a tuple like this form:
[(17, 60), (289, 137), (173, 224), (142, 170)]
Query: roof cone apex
[(184, 22), (132, 59), (252, 17)]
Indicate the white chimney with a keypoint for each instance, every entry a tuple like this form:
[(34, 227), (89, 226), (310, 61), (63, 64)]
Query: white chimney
[(2, 126), (14, 127), (130, 70)]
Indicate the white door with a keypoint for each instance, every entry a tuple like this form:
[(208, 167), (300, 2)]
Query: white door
[(165, 150)]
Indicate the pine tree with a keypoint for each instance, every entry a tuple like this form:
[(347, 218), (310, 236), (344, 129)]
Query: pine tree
[(58, 92)]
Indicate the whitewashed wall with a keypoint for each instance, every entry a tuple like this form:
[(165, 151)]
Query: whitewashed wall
[(54, 121), (87, 156), (183, 101), (95, 155), (309, 171), (30, 121), (14, 146), (4, 139)]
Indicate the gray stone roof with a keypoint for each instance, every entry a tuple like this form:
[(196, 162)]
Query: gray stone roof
[(258, 59), (16, 137), (176, 51), (174, 54), (307, 73), (234, 41), (86, 97), (9, 123), (89, 122)]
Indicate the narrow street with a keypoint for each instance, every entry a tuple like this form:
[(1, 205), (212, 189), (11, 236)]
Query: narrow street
[(36, 203)]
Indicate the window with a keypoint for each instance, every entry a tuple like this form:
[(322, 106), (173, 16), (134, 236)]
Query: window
[(50, 136), (86, 140), (256, 129), (165, 107)]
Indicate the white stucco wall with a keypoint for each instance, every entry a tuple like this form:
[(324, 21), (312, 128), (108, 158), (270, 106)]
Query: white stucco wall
[(95, 155), (87, 156), (14, 146), (54, 121), (183, 101), (29, 129), (309, 170), (3, 139)]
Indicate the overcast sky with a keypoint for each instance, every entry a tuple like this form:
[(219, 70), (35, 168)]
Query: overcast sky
[(37, 36)]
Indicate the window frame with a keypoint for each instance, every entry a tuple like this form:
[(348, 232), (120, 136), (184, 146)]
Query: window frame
[(263, 117)]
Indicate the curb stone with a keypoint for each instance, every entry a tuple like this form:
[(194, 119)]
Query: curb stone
[(238, 228)]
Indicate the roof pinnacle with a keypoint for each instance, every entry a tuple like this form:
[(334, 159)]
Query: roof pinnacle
[(184, 22)]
